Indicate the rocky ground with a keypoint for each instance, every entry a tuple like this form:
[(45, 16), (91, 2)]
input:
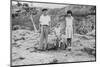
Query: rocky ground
[(23, 52)]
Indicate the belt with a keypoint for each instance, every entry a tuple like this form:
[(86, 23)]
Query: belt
[(44, 25)]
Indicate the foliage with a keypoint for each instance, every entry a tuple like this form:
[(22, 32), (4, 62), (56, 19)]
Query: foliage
[(84, 17)]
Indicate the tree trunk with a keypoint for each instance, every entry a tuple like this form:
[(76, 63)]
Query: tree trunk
[(35, 29)]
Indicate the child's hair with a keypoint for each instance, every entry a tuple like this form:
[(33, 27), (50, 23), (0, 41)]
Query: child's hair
[(69, 12)]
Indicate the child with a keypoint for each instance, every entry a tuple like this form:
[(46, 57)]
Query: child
[(44, 25), (58, 34), (69, 27)]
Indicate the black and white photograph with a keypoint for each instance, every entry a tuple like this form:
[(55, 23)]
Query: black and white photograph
[(52, 33)]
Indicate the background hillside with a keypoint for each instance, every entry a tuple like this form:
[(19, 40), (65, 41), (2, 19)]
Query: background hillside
[(84, 17)]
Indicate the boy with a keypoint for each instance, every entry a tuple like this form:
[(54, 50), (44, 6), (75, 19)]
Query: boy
[(44, 25)]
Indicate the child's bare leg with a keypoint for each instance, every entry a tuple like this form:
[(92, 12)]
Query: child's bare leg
[(69, 44)]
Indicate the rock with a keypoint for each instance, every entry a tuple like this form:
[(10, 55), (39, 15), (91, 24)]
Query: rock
[(90, 51), (54, 61)]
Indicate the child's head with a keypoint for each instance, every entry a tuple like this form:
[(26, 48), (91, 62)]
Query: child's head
[(44, 11), (69, 13), (58, 25)]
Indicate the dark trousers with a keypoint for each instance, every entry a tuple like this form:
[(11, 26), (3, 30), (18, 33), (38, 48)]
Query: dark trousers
[(43, 37)]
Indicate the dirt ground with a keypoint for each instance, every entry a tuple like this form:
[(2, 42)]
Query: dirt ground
[(23, 53)]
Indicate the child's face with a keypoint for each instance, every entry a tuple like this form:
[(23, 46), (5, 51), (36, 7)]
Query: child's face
[(69, 15), (58, 25), (45, 12)]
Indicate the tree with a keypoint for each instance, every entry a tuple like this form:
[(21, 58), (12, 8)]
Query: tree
[(31, 17), (31, 13)]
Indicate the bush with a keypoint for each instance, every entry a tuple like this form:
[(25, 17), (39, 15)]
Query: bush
[(84, 25)]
